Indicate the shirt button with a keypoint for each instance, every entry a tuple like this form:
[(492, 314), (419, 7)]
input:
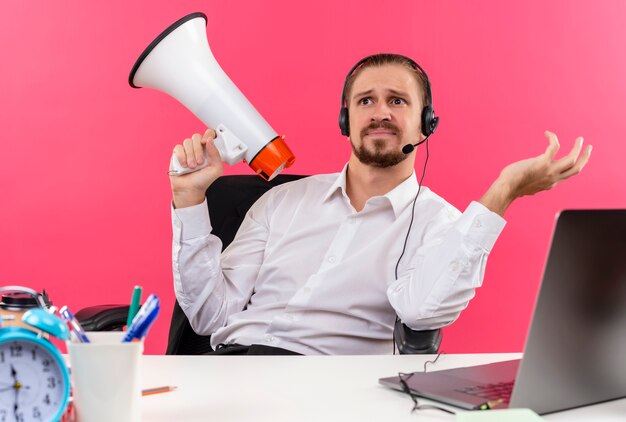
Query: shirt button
[(478, 224), (270, 338), (454, 265), (332, 259)]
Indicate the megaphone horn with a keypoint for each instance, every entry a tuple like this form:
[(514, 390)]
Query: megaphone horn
[(179, 62)]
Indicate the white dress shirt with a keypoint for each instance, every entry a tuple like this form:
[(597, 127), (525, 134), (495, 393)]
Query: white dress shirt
[(308, 273)]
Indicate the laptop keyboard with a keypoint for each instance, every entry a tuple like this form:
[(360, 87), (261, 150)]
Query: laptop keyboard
[(500, 390)]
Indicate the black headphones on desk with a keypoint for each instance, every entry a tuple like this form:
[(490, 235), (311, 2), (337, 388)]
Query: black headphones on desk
[(429, 120)]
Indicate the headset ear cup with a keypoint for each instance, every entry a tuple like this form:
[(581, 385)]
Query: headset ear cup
[(344, 121), (429, 121)]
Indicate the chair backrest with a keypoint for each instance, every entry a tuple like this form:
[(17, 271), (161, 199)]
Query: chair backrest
[(228, 198)]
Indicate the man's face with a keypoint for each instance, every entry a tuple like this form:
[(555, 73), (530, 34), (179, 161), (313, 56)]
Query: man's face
[(385, 114)]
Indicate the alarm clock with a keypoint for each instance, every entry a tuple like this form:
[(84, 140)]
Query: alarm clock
[(34, 380)]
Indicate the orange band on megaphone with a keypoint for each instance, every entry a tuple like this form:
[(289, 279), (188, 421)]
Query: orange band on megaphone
[(274, 157)]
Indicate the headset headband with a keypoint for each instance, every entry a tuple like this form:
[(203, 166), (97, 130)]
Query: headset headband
[(368, 58)]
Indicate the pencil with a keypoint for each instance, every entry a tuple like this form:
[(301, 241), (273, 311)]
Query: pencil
[(158, 390)]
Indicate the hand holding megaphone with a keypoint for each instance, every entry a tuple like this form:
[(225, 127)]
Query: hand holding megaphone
[(195, 153), (230, 148)]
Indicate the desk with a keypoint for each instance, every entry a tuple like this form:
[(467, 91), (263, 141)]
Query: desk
[(306, 388)]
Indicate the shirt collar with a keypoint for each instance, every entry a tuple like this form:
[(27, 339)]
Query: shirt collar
[(399, 197), (402, 195), (338, 185)]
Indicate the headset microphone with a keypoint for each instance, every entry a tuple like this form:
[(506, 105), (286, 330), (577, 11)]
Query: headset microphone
[(408, 148)]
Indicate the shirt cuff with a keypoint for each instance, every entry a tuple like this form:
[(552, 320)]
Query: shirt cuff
[(192, 222), (481, 224)]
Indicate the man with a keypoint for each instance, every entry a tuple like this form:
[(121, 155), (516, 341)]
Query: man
[(323, 265)]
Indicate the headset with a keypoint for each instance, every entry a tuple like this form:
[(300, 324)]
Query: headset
[(429, 120)]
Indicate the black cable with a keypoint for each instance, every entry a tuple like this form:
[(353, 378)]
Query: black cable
[(403, 378), (406, 239), (432, 362), (419, 188)]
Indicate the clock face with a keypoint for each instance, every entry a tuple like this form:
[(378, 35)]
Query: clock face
[(32, 382)]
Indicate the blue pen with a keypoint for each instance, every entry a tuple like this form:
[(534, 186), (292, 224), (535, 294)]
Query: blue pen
[(143, 320), (67, 315)]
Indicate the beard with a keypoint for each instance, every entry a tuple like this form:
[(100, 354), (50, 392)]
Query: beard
[(377, 156)]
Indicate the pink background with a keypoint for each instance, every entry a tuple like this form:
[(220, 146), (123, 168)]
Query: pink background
[(85, 196)]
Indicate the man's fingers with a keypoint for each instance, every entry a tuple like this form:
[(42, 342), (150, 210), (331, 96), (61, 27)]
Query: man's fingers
[(212, 152), (554, 146), (580, 163), (570, 159), (189, 154), (179, 152), (198, 148), (208, 135), (209, 141)]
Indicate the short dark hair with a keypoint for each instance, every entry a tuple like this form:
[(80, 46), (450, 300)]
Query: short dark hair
[(382, 59)]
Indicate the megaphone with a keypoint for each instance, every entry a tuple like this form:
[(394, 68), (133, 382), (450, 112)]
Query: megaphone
[(179, 62)]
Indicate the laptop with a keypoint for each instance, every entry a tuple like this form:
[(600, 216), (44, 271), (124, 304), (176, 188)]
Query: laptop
[(575, 352)]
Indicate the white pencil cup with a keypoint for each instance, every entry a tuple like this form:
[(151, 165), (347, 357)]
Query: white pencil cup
[(106, 378)]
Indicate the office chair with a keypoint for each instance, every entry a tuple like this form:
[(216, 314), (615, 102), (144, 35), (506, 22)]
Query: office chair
[(229, 198)]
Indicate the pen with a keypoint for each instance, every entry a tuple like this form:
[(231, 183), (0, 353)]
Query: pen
[(134, 305), (157, 390), (489, 405), (143, 320), (67, 315)]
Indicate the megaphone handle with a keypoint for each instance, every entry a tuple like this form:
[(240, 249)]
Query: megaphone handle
[(177, 170), (232, 149)]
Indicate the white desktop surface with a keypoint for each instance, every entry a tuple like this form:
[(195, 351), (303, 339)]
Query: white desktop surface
[(307, 388)]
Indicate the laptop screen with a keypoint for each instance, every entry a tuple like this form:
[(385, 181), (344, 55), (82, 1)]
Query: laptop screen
[(575, 349)]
